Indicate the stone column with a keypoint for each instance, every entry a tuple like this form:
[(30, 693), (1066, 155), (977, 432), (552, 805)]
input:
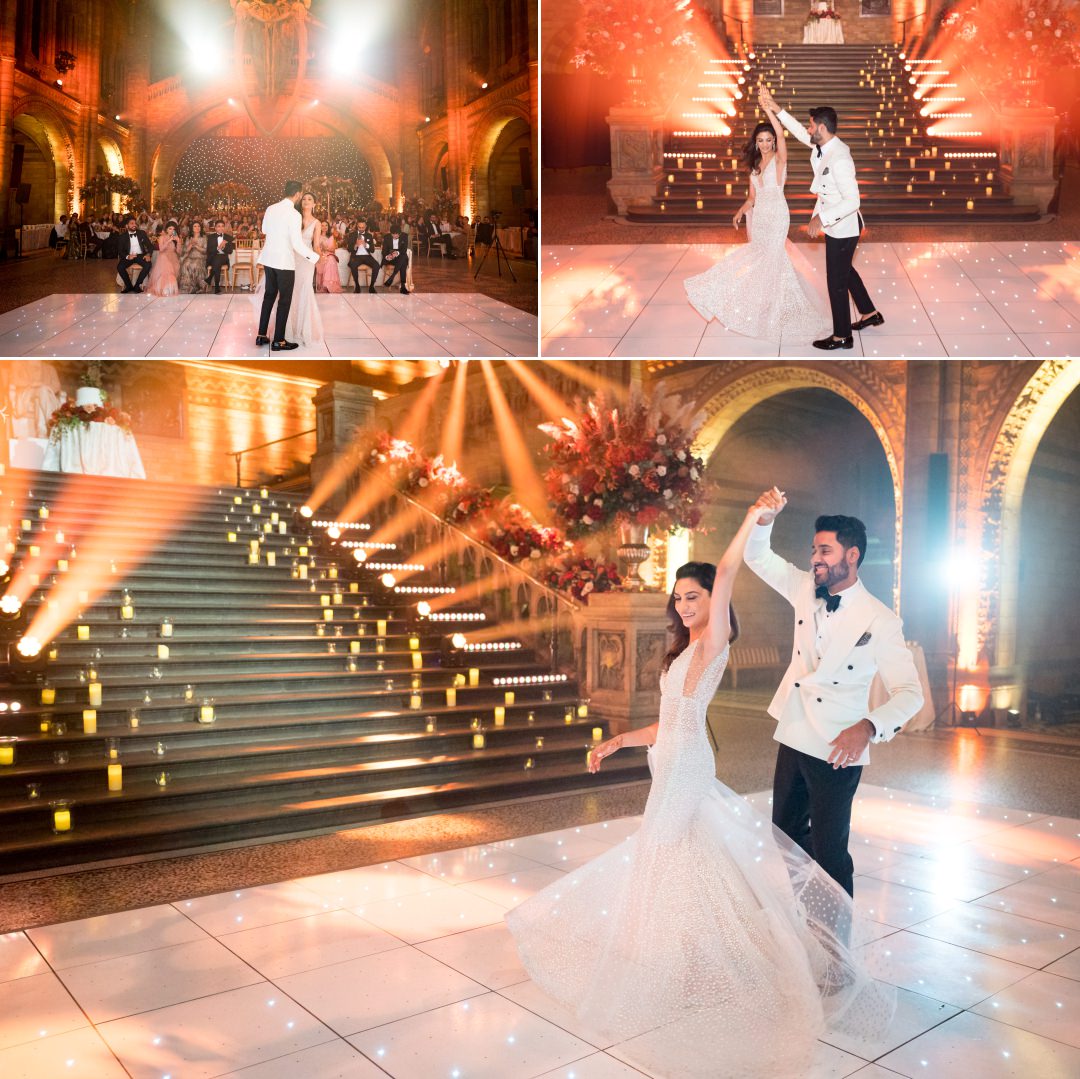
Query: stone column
[(625, 638), (1027, 153), (342, 410), (7, 115), (637, 154)]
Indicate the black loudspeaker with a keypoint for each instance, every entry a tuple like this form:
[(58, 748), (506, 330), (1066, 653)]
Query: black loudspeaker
[(17, 152), (517, 194), (937, 501), (525, 161), (22, 194)]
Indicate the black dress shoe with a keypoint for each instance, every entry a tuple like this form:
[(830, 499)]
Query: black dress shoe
[(261, 340), (830, 343), (125, 291), (371, 290), (283, 346), (404, 291), (217, 291), (876, 319), (138, 289)]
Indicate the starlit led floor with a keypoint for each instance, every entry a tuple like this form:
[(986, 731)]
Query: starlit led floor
[(947, 299), (406, 968), (387, 324)]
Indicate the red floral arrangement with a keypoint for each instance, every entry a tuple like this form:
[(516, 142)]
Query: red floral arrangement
[(69, 416), (634, 465), (513, 534), (828, 13), (580, 575)]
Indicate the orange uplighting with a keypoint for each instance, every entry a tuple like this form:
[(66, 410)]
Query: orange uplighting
[(412, 427), (580, 373), (523, 475), (454, 424), (548, 400)]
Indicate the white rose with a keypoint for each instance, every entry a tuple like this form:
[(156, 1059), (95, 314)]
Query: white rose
[(693, 473), (661, 440), (514, 549), (634, 471), (534, 553), (423, 482), (661, 470), (586, 588), (667, 492), (586, 520), (681, 455)]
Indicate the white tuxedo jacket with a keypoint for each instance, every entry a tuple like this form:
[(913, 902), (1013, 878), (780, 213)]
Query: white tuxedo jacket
[(281, 226), (835, 184), (817, 700)]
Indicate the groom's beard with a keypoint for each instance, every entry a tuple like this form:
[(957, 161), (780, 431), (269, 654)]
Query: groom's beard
[(834, 575)]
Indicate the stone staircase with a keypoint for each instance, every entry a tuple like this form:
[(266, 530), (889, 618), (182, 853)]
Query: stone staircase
[(905, 174), (299, 741)]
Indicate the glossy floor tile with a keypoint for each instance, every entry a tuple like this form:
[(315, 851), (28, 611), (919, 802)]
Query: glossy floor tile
[(961, 299), (407, 969), (427, 324)]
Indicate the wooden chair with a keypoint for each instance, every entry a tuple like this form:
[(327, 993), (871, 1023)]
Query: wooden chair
[(244, 263)]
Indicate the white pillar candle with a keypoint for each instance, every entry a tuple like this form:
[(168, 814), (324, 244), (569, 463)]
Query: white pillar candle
[(500, 716), (333, 573), (509, 697), (48, 695), (230, 536), (43, 513), (83, 633), (416, 701), (61, 820), (338, 599), (166, 628), (7, 753), (62, 565), (597, 734), (478, 741), (451, 697), (303, 552), (474, 676), (354, 586), (414, 643), (94, 690), (206, 713), (271, 558), (116, 777), (417, 661), (256, 508), (354, 647), (303, 571), (281, 528), (583, 710), (162, 651), (89, 721), (324, 601), (381, 627), (264, 492), (274, 518), (328, 614)]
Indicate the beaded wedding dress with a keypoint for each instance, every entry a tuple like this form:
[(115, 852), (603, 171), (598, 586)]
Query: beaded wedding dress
[(305, 323), (756, 289), (707, 944)]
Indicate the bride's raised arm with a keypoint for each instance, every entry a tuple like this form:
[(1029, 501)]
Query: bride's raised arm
[(781, 144), (718, 631)]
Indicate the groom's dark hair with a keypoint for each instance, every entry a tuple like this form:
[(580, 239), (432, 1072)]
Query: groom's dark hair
[(826, 116), (291, 188), (850, 531)]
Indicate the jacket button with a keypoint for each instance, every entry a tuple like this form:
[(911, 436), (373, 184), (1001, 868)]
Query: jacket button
[(896, 730), (836, 683), (850, 667), (800, 621), (819, 700), (796, 685)]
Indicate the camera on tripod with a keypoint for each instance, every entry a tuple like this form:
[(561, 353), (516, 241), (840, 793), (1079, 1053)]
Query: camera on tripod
[(496, 214)]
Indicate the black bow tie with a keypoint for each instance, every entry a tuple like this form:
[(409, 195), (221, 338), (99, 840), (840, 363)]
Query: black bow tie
[(819, 151), (831, 602)]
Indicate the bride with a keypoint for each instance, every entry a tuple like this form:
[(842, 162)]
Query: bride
[(755, 289), (305, 323), (707, 943)]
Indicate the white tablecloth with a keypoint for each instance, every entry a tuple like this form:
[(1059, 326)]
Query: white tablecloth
[(97, 449), (510, 238), (923, 720), (27, 453), (34, 237), (824, 32)]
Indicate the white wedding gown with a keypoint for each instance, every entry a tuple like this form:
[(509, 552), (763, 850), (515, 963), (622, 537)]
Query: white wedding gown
[(763, 288), (305, 323), (707, 943)]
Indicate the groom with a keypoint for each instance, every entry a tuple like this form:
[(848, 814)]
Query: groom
[(283, 242), (836, 213), (843, 637)]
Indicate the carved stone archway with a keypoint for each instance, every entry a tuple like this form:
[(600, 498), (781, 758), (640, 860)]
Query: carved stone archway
[(489, 127), (732, 390), (40, 122)]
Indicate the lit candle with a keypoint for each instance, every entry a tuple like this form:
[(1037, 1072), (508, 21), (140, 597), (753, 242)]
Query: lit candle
[(127, 612), (971, 204), (48, 694), (263, 492), (500, 716), (281, 528), (338, 599), (26, 524), (416, 701), (380, 627), (61, 819), (231, 537), (328, 614), (324, 600), (35, 550), (429, 726), (62, 565), (236, 500), (727, 189), (83, 633), (354, 647), (474, 676), (989, 191), (598, 734), (933, 174), (303, 552), (253, 557), (333, 573), (133, 718), (583, 710), (451, 697), (206, 712), (116, 777), (354, 586), (89, 721), (94, 690), (303, 571), (568, 716), (459, 679), (162, 651), (166, 628), (478, 740), (274, 518), (7, 753), (414, 643), (256, 508), (417, 661), (253, 544), (43, 513), (380, 647), (509, 697), (700, 204)]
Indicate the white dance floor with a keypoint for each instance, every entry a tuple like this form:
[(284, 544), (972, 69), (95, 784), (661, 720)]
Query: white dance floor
[(387, 324), (947, 299), (406, 969)]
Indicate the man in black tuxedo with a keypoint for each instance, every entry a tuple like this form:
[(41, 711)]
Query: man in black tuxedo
[(219, 246), (134, 249), (361, 244), (436, 237), (395, 255)]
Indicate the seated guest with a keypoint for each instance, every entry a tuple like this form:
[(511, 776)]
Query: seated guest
[(58, 236), (459, 236), (361, 247), (219, 246), (134, 249), (395, 256), (435, 237), (75, 236), (327, 271), (485, 234), (193, 268)]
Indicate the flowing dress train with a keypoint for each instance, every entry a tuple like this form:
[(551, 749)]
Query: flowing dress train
[(763, 288), (707, 944), (163, 280)]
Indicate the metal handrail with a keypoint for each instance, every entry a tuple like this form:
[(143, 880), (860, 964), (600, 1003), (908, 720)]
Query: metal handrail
[(732, 18), (238, 454), (911, 18)]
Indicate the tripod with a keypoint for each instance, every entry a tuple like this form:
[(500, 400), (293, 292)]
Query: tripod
[(500, 256)]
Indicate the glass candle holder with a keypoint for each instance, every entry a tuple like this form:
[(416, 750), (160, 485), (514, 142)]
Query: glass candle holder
[(162, 779), (61, 816), (206, 710), (33, 791), (133, 718), (61, 756)]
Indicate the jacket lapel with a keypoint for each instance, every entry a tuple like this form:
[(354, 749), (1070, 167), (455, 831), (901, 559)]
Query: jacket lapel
[(854, 620)]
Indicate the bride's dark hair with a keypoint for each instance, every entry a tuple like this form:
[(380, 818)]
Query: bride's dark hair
[(751, 155), (705, 575)]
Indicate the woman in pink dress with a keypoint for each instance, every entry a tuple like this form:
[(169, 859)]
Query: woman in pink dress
[(164, 277), (327, 276)]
